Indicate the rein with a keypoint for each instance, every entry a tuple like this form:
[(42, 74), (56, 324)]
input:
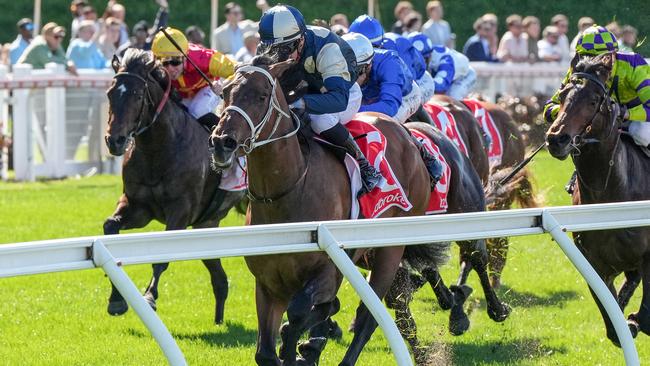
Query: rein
[(251, 143), (148, 101), (579, 139)]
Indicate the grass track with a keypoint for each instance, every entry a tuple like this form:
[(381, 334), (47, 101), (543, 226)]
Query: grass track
[(60, 319)]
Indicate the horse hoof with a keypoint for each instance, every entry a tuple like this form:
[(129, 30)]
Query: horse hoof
[(302, 362), (311, 350), (117, 307), (151, 301), (458, 321), (335, 331), (500, 314), (634, 328), (284, 328)]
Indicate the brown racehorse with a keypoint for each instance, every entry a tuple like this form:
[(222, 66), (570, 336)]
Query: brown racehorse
[(166, 175), (611, 168), (292, 178)]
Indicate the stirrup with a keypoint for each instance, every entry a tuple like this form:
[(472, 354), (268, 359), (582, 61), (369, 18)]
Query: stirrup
[(571, 185)]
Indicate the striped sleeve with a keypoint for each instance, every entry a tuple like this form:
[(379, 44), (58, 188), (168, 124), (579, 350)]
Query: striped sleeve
[(220, 65), (640, 80)]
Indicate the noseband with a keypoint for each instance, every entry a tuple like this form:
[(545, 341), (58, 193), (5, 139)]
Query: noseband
[(252, 142), (147, 101)]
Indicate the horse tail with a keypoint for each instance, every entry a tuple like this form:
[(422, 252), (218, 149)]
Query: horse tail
[(519, 189), (432, 255), (524, 192)]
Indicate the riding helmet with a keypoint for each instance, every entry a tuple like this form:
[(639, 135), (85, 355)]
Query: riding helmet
[(369, 27), (596, 40), (163, 48)]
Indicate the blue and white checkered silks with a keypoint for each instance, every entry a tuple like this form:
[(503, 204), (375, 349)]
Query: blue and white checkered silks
[(280, 24)]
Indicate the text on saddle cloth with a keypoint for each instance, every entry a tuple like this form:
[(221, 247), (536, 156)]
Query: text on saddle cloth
[(438, 199), (483, 117), (446, 123)]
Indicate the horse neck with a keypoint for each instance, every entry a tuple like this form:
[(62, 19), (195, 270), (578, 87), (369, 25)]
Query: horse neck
[(273, 168), (165, 132)]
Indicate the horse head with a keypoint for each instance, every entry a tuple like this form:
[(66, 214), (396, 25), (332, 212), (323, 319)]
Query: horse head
[(255, 106), (584, 103), (131, 97)]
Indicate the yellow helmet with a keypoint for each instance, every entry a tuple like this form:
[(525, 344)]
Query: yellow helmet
[(163, 48)]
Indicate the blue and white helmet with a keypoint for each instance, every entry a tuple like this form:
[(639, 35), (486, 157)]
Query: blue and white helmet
[(281, 24), (369, 27), (421, 43)]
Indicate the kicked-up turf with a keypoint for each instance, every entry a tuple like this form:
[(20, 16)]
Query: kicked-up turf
[(61, 319)]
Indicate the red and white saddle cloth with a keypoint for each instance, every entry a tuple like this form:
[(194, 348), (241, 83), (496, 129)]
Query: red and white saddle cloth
[(389, 192), (446, 123), (495, 151), (438, 199), (235, 178)]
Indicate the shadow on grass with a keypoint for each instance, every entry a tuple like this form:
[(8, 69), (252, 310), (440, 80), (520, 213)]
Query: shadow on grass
[(231, 335), (498, 352), (529, 299)]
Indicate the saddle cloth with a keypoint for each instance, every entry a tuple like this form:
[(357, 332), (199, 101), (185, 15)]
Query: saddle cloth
[(446, 123), (483, 117), (438, 199), (235, 178), (389, 192)]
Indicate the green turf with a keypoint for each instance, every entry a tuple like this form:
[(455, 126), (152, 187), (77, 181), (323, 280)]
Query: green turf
[(60, 319)]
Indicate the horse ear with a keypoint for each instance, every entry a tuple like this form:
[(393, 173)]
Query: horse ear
[(280, 68), (608, 62), (115, 63), (150, 64)]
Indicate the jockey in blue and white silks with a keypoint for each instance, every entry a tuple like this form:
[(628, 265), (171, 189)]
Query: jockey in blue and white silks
[(329, 66), (451, 71), (389, 87), (414, 60)]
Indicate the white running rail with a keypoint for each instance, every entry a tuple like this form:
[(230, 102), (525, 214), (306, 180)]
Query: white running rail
[(111, 252)]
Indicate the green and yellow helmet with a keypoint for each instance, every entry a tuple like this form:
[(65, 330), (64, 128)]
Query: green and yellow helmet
[(596, 40)]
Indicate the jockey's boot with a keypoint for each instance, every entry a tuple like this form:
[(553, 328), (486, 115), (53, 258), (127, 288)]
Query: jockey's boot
[(434, 166), (209, 120), (571, 185)]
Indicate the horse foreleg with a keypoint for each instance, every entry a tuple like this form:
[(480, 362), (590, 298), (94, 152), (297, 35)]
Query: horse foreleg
[(219, 281), (642, 318), (444, 296), (611, 333), (386, 261), (126, 216), (632, 280), (476, 254), (151, 295), (269, 315), (497, 254)]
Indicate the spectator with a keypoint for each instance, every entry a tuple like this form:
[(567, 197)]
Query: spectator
[(477, 47), (117, 11), (246, 53), (533, 28), (262, 5), (402, 9), (583, 23), (514, 45), (412, 23), (89, 13), (142, 35), (195, 35), (628, 39), (83, 50), (549, 47), (229, 37), (109, 41), (76, 10), (562, 23), (614, 28), (436, 28), (340, 19), (493, 38), (320, 23), (20, 44), (47, 48), (338, 29)]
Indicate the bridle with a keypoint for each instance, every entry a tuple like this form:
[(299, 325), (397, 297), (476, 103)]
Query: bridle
[(580, 140), (146, 102), (252, 142)]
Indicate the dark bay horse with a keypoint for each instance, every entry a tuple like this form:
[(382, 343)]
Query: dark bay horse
[(291, 179), (166, 175), (611, 168)]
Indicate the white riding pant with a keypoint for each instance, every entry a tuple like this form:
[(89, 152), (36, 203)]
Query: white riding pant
[(461, 87), (323, 122), (427, 87), (640, 132), (204, 102), (410, 104)]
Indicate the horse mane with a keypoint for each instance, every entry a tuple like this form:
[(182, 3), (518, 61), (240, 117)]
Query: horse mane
[(291, 79), (143, 62), (597, 65)]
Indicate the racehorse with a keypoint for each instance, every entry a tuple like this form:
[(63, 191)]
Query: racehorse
[(610, 168), (292, 178), (166, 175)]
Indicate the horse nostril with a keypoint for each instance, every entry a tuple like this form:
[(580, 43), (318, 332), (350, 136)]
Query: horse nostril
[(229, 143), (561, 139), (121, 140)]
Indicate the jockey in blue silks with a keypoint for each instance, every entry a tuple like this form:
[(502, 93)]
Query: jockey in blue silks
[(382, 76), (414, 60), (451, 71), (329, 65)]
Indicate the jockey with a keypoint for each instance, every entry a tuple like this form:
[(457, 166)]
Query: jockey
[(329, 64), (630, 81), (451, 71), (389, 87), (414, 60), (367, 56), (200, 98)]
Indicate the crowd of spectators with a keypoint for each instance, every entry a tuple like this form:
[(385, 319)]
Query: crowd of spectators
[(95, 40)]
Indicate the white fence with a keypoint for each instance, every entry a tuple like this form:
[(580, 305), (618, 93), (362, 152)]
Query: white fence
[(111, 252)]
